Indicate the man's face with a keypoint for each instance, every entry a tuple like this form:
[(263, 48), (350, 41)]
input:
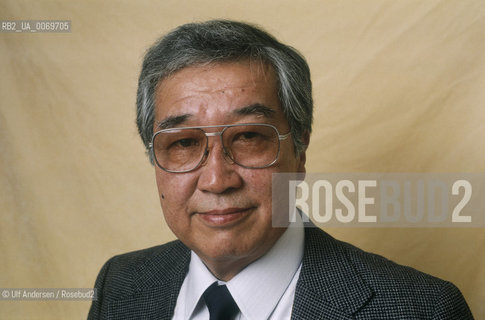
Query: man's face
[(221, 210)]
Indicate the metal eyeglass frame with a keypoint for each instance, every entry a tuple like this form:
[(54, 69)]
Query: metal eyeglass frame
[(219, 133)]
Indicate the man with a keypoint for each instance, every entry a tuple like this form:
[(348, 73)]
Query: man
[(221, 107)]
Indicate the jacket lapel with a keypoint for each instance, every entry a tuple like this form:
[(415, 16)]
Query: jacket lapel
[(156, 286), (328, 287)]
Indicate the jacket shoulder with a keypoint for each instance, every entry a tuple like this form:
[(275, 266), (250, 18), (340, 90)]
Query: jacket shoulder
[(372, 267), (393, 290), (127, 261), (128, 274), (145, 267)]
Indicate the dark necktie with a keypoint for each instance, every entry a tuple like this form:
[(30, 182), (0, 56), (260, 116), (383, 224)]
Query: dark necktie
[(220, 302)]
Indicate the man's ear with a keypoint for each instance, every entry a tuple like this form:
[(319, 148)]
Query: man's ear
[(305, 139)]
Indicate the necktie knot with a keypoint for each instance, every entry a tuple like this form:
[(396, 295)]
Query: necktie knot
[(220, 303)]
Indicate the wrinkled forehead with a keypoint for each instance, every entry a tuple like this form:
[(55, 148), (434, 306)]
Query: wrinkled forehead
[(200, 90), (257, 67)]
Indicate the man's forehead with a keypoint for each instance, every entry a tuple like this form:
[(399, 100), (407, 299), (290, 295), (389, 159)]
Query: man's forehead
[(237, 89), (256, 69)]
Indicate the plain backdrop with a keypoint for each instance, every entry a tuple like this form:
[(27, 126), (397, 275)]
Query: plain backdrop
[(399, 86)]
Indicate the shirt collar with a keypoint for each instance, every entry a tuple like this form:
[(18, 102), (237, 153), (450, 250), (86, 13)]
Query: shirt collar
[(258, 288), (198, 278)]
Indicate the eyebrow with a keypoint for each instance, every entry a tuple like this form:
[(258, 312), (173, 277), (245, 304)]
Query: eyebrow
[(252, 109), (256, 109), (172, 121)]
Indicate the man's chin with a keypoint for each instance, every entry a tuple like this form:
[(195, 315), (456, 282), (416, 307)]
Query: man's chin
[(234, 250)]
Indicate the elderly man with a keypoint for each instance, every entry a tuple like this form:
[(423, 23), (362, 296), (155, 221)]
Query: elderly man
[(221, 106)]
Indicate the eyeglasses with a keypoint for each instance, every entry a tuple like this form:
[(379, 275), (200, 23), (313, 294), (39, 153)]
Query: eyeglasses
[(253, 146)]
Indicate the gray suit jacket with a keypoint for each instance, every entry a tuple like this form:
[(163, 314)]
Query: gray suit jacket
[(337, 281)]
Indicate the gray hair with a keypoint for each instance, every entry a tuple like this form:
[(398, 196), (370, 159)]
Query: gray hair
[(221, 41)]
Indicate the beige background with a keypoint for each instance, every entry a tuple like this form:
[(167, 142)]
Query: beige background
[(399, 86)]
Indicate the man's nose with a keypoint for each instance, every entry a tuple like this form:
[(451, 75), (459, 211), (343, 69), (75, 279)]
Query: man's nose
[(217, 173)]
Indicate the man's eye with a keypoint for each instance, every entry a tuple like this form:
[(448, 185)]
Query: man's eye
[(248, 135), (186, 143)]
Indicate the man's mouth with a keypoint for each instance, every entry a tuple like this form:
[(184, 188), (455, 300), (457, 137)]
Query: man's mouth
[(225, 217)]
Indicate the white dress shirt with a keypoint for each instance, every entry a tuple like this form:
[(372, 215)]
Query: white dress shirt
[(265, 289)]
